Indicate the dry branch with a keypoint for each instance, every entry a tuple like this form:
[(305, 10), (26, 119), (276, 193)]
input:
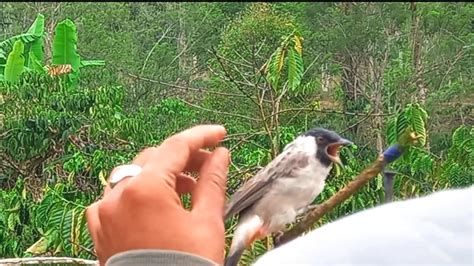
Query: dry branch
[(328, 111), (217, 112), (186, 87)]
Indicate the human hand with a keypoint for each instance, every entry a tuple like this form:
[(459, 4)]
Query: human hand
[(145, 211)]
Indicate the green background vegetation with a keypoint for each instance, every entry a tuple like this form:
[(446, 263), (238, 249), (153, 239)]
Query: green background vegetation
[(144, 71)]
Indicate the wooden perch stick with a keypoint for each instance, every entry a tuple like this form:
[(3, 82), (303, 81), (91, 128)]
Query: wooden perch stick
[(312, 216), (320, 210)]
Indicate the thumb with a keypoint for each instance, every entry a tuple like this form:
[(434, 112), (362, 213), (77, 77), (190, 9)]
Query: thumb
[(209, 194)]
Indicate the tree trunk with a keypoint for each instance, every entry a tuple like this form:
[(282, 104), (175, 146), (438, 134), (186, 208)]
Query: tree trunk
[(182, 41), (416, 54), (376, 78)]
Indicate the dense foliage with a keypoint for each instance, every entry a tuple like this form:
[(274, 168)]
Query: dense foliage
[(266, 71)]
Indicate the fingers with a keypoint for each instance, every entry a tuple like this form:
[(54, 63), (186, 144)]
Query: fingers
[(93, 221), (209, 194), (178, 148), (146, 156), (179, 153), (185, 184)]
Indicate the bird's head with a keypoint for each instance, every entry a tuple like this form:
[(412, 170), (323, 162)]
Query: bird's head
[(328, 144)]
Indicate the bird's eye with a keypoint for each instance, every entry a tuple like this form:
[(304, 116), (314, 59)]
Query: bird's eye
[(320, 139)]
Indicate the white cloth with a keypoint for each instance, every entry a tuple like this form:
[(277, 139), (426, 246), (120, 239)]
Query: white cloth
[(431, 230)]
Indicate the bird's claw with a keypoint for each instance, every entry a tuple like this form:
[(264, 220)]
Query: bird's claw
[(306, 209)]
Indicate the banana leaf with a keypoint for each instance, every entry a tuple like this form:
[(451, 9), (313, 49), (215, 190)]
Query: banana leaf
[(65, 48), (15, 63), (33, 37), (36, 46)]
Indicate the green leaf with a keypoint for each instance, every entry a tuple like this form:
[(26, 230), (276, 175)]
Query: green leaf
[(419, 124), (37, 29), (15, 63), (295, 68), (33, 38), (85, 63), (392, 131), (64, 48), (274, 66), (39, 247), (402, 123), (12, 221), (35, 64), (6, 45), (298, 45)]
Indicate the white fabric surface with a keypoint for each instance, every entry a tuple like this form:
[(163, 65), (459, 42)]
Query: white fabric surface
[(431, 230)]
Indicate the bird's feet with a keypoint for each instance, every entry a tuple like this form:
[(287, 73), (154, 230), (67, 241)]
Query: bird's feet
[(278, 234), (306, 209)]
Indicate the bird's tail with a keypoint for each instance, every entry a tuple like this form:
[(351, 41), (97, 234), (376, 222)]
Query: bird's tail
[(245, 233), (234, 255)]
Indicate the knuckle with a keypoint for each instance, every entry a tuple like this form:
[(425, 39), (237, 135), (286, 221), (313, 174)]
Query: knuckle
[(130, 194), (105, 210)]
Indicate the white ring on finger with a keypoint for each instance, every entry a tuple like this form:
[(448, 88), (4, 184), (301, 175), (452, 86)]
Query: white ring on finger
[(124, 171)]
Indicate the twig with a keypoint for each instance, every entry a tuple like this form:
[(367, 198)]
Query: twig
[(241, 57), (154, 47), (13, 165), (327, 111), (230, 77), (186, 87), (264, 120), (229, 136), (82, 247), (246, 139), (311, 64), (234, 62), (358, 122), (218, 112), (236, 82)]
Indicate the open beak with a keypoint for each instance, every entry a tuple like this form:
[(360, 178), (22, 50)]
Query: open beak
[(332, 150)]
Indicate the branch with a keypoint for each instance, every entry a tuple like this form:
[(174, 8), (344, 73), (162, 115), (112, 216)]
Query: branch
[(328, 112), (236, 82), (358, 122), (230, 77), (11, 164), (185, 87), (218, 112), (234, 62), (319, 211), (391, 154), (154, 47), (245, 134), (246, 140)]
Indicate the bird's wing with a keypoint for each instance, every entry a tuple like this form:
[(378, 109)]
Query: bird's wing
[(285, 165)]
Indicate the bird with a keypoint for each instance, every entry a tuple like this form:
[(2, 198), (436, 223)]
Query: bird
[(283, 189)]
